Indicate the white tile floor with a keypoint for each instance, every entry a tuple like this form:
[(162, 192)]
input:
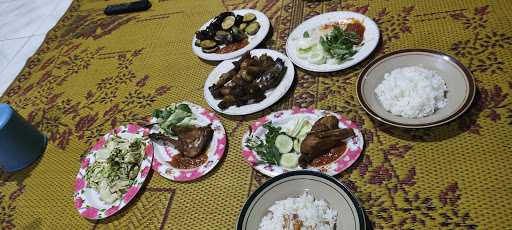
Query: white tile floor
[(23, 27)]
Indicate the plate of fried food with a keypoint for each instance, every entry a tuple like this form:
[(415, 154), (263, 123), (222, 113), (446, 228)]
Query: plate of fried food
[(189, 141), (250, 83), (302, 138), (230, 34)]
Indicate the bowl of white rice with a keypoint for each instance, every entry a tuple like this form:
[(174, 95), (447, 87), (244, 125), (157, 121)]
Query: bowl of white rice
[(302, 200), (415, 88)]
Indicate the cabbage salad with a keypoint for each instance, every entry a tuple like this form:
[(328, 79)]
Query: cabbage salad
[(116, 166)]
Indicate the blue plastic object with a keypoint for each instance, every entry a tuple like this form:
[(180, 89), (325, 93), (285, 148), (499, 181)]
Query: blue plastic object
[(20, 142)]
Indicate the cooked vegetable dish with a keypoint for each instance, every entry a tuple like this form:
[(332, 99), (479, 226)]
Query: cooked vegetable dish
[(227, 32), (115, 167)]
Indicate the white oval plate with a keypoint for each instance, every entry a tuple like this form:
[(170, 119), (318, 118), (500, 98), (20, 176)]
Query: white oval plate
[(215, 151), (370, 40), (254, 40), (273, 95)]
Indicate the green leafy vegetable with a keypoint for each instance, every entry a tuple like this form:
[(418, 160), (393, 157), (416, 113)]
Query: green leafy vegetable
[(306, 34), (267, 149), (184, 107), (339, 43), (174, 115)]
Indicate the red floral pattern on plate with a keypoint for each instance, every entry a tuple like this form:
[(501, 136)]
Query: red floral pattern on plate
[(215, 151), (79, 184), (90, 213), (78, 202), (352, 153), (132, 191), (85, 202)]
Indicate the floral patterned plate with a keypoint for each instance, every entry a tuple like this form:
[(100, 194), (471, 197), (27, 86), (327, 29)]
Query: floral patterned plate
[(87, 199), (214, 153), (352, 152)]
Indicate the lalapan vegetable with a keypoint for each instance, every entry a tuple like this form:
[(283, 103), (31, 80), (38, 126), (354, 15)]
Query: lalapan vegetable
[(301, 144), (331, 43)]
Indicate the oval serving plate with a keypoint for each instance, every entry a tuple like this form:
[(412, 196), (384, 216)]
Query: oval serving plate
[(254, 40), (352, 152), (215, 152), (87, 199), (273, 95), (292, 184), (459, 81), (370, 40)]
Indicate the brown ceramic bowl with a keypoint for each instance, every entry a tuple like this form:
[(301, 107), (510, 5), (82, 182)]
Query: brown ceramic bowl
[(292, 184), (459, 81)]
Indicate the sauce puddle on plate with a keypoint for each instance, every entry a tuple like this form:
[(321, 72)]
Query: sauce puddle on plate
[(180, 161), (233, 47), (330, 157)]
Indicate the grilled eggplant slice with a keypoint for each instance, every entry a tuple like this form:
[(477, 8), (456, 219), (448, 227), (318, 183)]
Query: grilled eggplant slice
[(207, 44), (211, 50), (242, 26), (222, 37), (249, 17), (228, 22), (252, 28)]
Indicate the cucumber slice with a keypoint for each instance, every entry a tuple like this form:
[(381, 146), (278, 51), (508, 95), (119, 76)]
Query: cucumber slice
[(306, 127), (289, 160), (317, 58), (296, 145), (284, 143), (301, 128)]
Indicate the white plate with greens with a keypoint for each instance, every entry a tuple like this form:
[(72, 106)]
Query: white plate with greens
[(288, 128), (113, 172), (307, 50), (166, 154)]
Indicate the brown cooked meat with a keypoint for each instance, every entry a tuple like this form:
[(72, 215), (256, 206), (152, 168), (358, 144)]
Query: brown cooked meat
[(324, 136), (325, 123), (193, 141)]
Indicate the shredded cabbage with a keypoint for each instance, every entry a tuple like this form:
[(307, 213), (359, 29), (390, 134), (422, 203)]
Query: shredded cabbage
[(115, 167)]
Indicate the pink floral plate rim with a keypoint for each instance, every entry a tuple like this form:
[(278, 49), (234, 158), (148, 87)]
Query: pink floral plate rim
[(354, 145), (82, 199), (215, 151)]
